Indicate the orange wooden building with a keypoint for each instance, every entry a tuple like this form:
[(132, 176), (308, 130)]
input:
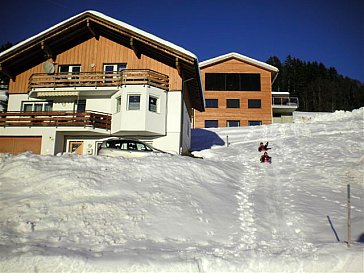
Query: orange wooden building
[(238, 92)]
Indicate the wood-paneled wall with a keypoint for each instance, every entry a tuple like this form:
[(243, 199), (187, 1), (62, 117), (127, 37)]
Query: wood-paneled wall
[(243, 114), (92, 55)]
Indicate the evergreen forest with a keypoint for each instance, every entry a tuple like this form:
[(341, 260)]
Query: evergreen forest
[(318, 88)]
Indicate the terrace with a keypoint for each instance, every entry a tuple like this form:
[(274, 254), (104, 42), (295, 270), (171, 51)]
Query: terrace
[(90, 119), (98, 79)]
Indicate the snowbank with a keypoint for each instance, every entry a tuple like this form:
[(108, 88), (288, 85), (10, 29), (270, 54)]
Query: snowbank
[(224, 213)]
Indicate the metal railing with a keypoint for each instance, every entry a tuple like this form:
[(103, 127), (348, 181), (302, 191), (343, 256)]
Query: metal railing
[(285, 101), (56, 118), (99, 79)]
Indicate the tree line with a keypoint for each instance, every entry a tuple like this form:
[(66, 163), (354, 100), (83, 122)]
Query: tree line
[(318, 88)]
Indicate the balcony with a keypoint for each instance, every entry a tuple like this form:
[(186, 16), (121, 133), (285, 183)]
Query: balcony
[(56, 119), (284, 104), (98, 79)]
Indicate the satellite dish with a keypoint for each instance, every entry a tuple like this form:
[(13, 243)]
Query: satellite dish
[(48, 67)]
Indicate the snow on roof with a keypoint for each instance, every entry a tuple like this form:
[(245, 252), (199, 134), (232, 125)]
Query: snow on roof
[(112, 20), (240, 57)]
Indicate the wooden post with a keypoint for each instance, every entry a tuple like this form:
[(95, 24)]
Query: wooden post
[(349, 217)]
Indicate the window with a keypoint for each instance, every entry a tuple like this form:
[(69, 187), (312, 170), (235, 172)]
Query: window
[(254, 122), (211, 124), (232, 103), (134, 102), (118, 104), (212, 103), (72, 69), (232, 81), (215, 81), (233, 123), (153, 104), (80, 106), (37, 106), (114, 69), (254, 104)]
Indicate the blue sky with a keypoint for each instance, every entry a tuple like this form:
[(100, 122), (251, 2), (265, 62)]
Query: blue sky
[(331, 32)]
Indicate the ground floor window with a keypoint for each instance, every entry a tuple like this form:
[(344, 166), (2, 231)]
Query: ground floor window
[(118, 104), (80, 106), (37, 106), (233, 123), (211, 124), (254, 122), (153, 101), (134, 102)]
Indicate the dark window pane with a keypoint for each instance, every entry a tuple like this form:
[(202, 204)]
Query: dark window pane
[(250, 82), (212, 103), (232, 82), (63, 68), (254, 104), (211, 124), (81, 106), (232, 103), (215, 81), (152, 104), (233, 123), (134, 102), (254, 122)]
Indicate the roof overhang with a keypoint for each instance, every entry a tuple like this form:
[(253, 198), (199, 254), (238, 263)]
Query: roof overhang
[(91, 24), (274, 70)]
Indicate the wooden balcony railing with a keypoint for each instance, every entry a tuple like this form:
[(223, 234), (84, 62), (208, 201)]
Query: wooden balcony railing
[(55, 119), (99, 79)]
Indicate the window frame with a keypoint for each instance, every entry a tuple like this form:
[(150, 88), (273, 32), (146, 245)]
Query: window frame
[(156, 105), (134, 95), (232, 101), (212, 121), (257, 122), (34, 103), (253, 103), (212, 103), (118, 104), (233, 82), (228, 123)]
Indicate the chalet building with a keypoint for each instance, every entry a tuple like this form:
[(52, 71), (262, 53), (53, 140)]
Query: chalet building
[(238, 92), (91, 77)]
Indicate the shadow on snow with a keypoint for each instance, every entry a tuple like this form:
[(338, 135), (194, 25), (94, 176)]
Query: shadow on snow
[(202, 139)]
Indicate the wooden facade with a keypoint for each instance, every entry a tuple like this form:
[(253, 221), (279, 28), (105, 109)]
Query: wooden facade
[(91, 40), (92, 55), (243, 114)]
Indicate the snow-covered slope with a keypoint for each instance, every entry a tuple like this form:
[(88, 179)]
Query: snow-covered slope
[(224, 213)]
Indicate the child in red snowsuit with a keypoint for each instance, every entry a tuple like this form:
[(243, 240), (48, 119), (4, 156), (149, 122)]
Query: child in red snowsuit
[(262, 147), (265, 158)]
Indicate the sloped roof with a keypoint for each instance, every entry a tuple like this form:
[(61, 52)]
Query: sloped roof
[(88, 24), (110, 19), (239, 57)]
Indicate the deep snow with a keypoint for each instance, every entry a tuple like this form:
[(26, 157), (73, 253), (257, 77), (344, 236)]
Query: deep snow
[(224, 213)]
